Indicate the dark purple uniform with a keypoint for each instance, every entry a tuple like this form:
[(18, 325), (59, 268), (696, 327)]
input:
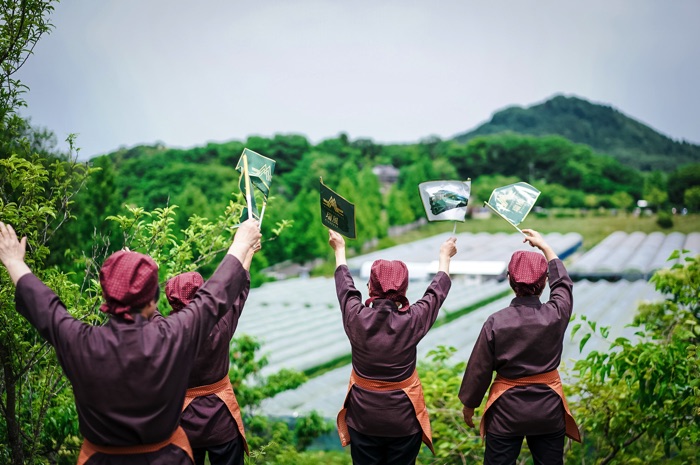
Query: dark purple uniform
[(129, 378), (207, 421), (523, 339), (383, 342)]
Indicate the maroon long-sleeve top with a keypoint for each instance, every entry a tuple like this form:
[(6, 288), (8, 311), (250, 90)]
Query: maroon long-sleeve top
[(523, 339), (129, 378), (207, 421), (383, 342)]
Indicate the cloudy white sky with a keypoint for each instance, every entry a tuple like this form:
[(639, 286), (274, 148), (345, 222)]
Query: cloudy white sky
[(183, 72)]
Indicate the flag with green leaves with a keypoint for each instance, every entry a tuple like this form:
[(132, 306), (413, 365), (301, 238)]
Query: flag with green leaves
[(445, 200), (513, 202), (258, 176), (337, 213)]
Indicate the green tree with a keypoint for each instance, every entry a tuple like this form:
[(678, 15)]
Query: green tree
[(36, 200), (655, 190), (87, 224), (397, 207), (691, 198), (23, 23), (680, 180), (622, 200), (309, 234)]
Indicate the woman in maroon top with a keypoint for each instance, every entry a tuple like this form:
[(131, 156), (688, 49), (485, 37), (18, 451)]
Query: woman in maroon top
[(523, 342), (207, 420), (129, 376), (384, 424)]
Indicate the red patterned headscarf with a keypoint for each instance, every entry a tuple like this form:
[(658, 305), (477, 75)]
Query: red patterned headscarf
[(527, 272), (180, 290), (129, 281), (388, 280)]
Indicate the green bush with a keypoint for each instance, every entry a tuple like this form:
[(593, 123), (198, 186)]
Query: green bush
[(664, 220)]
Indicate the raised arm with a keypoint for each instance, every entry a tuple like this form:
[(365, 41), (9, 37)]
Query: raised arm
[(338, 245), (12, 253), (448, 249), (34, 300), (427, 308), (560, 284), (219, 293), (249, 256)]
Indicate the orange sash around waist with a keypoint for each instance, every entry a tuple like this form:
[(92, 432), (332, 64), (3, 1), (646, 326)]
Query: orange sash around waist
[(551, 379), (224, 391), (413, 389), (178, 438)]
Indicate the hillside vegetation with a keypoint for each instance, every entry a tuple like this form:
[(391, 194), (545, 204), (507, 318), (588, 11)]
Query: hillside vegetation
[(602, 127), (202, 180)]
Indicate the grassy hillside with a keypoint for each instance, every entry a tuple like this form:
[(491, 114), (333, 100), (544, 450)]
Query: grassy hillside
[(602, 127)]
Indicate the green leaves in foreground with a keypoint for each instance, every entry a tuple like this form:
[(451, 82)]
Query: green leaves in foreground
[(641, 397)]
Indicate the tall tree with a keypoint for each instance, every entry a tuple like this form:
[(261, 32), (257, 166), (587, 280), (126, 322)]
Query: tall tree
[(23, 23), (35, 200)]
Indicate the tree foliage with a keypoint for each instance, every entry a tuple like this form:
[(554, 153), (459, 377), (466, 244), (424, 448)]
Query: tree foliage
[(23, 23), (599, 126), (36, 199), (640, 399), (680, 181)]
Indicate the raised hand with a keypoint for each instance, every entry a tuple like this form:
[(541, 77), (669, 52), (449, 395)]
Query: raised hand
[(536, 240), (449, 247), (246, 238), (335, 240), (12, 252)]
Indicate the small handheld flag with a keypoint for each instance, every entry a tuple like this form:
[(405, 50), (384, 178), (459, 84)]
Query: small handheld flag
[(337, 213), (513, 202), (256, 171), (445, 200)]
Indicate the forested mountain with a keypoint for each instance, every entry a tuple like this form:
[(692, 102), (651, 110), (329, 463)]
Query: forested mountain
[(602, 127)]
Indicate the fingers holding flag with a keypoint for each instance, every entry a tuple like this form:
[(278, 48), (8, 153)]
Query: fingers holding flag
[(335, 240)]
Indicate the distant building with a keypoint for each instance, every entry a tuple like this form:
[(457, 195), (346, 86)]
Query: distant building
[(386, 173)]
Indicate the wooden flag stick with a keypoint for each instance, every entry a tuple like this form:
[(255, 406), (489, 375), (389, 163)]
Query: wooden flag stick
[(499, 214), (454, 229), (262, 212), (247, 186)]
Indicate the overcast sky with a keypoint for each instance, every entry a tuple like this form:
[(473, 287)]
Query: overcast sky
[(127, 72)]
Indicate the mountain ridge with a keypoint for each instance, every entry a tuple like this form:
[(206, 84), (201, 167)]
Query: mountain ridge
[(600, 126)]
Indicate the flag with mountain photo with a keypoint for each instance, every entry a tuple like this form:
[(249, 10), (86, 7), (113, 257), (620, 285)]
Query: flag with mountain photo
[(445, 200)]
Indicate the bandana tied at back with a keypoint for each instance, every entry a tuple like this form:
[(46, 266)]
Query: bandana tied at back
[(181, 289), (129, 281), (389, 280), (527, 272)]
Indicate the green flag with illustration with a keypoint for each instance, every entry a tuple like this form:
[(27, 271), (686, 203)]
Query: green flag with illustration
[(513, 202), (256, 171), (260, 171), (337, 213)]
